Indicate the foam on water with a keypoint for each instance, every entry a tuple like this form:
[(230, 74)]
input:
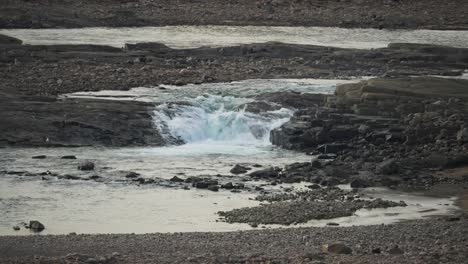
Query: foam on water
[(219, 120)]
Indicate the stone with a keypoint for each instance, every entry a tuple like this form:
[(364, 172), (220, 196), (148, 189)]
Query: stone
[(40, 157), (376, 251), (86, 166), (68, 157), (387, 167), (4, 39), (326, 157), (132, 175), (239, 169), (176, 179), (338, 248), (228, 186), (213, 188), (330, 181), (36, 226), (266, 173), (16, 228), (204, 184), (314, 186), (359, 183)]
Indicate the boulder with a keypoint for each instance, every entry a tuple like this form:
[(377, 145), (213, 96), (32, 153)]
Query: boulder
[(68, 157), (132, 175), (205, 184), (36, 226), (266, 173), (228, 186), (176, 179), (213, 188), (40, 157), (86, 166), (360, 183), (239, 169), (7, 40)]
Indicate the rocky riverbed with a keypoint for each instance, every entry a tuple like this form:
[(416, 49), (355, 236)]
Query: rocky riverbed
[(349, 13), (430, 241), (404, 131)]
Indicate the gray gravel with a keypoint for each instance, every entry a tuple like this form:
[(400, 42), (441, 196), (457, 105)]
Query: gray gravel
[(424, 241)]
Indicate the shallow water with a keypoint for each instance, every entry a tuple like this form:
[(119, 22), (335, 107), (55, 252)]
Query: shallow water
[(218, 134), (216, 36)]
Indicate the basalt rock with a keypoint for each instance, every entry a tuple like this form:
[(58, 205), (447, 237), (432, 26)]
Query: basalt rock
[(86, 166), (7, 40), (77, 122), (36, 226), (239, 169)]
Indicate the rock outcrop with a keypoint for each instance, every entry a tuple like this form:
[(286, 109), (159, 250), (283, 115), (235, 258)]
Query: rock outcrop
[(396, 129), (42, 121)]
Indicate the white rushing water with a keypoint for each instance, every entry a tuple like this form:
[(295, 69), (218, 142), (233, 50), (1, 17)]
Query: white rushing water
[(216, 36), (217, 119)]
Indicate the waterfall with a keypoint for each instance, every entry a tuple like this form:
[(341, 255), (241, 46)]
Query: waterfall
[(218, 119)]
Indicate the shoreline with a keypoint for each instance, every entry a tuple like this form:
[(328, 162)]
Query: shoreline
[(280, 246)]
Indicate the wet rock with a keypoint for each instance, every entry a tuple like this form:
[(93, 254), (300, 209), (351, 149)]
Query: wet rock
[(86, 166), (132, 175), (16, 228), (7, 40), (71, 157), (266, 173), (40, 157), (228, 186), (376, 251), (326, 157), (332, 224), (204, 183), (69, 177), (338, 248), (387, 167), (213, 188), (176, 179), (330, 181), (360, 183), (314, 186), (94, 177), (36, 226), (259, 107), (180, 82), (239, 169)]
